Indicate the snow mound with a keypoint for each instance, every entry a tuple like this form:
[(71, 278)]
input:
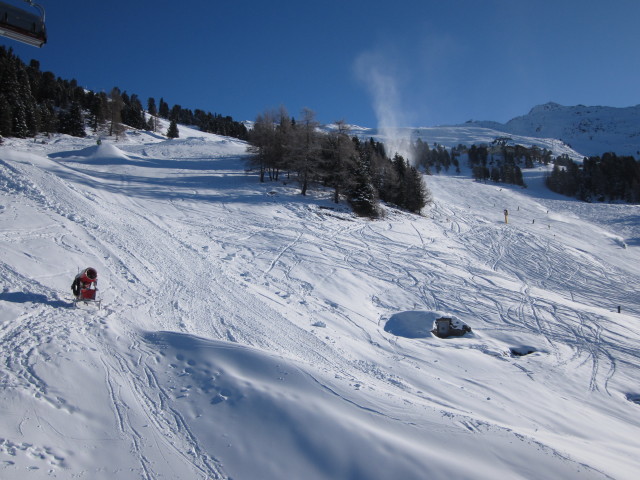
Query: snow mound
[(419, 324), (108, 150), (411, 324), (95, 154)]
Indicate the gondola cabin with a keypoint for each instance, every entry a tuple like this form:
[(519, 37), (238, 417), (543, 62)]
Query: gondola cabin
[(22, 25)]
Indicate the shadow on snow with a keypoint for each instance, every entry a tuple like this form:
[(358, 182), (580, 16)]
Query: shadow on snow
[(24, 297)]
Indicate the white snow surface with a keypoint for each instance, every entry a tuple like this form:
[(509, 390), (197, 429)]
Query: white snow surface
[(242, 330)]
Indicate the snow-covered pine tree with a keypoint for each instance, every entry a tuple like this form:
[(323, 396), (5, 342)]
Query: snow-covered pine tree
[(362, 194)]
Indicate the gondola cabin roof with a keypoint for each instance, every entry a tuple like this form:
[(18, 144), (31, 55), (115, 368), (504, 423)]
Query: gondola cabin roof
[(23, 26)]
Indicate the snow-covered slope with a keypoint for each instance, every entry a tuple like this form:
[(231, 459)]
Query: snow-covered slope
[(590, 130), (249, 332), (482, 133)]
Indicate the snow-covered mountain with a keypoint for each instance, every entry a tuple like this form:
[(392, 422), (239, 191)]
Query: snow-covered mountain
[(588, 130), (248, 332), (398, 139)]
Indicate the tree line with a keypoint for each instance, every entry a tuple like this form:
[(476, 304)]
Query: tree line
[(499, 162), (359, 171), (436, 158), (33, 102), (606, 178), (503, 163)]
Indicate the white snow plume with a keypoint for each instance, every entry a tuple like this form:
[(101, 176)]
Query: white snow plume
[(381, 78)]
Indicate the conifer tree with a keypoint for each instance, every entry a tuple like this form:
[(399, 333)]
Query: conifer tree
[(98, 113), (75, 121), (362, 194), (48, 119), (151, 106), (163, 109), (116, 128), (72, 122), (20, 128), (397, 182), (136, 113), (12, 91), (27, 100), (6, 118), (173, 132), (416, 193), (152, 123)]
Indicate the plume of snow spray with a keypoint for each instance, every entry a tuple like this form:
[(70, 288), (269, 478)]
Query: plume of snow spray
[(376, 74)]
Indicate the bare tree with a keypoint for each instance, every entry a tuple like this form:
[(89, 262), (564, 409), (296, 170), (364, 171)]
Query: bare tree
[(305, 149), (339, 155), (273, 143), (262, 139), (284, 138)]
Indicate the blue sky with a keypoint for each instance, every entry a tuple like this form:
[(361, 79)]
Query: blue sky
[(422, 62)]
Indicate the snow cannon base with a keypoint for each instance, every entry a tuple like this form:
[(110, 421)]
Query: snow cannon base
[(87, 295)]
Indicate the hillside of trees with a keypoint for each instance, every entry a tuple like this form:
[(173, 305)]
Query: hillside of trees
[(606, 178), (503, 163), (498, 162), (357, 170), (35, 102)]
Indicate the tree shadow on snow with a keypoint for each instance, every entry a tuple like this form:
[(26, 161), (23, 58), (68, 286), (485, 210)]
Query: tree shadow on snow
[(206, 179), (24, 297), (197, 184), (228, 188)]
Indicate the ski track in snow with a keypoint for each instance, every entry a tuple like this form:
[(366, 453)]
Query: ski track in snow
[(182, 252)]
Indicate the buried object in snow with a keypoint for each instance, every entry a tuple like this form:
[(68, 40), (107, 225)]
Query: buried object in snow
[(450, 327), (423, 324)]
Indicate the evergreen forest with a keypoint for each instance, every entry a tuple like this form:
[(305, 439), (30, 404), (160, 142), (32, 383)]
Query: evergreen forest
[(34, 102), (606, 178)]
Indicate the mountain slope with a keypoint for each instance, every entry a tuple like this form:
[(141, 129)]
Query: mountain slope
[(478, 133), (243, 336), (591, 130)]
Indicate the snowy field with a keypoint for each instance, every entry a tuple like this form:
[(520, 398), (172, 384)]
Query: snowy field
[(247, 332)]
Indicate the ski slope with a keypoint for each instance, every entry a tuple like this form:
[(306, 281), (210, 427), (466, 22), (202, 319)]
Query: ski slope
[(244, 331)]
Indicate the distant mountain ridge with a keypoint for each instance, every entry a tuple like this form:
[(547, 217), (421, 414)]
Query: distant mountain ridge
[(590, 130)]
